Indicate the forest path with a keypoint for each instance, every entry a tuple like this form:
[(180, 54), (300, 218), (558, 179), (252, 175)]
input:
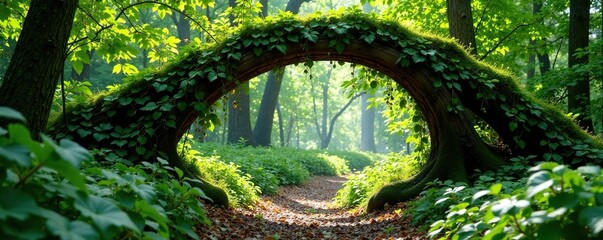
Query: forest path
[(307, 212)]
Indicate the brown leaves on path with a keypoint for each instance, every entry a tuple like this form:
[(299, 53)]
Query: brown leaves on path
[(307, 212)]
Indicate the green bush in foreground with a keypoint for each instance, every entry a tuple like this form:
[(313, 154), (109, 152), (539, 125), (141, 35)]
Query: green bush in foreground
[(556, 203), (55, 190)]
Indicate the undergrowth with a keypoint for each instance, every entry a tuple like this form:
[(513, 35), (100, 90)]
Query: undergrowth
[(53, 190), (246, 172), (547, 201), (359, 187)]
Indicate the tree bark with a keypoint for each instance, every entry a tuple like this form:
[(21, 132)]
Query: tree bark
[(367, 119), (579, 94), (262, 130), (183, 26), (37, 62), (544, 62), (460, 22), (239, 124)]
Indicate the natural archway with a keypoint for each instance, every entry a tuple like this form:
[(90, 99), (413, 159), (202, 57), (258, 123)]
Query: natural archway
[(147, 118)]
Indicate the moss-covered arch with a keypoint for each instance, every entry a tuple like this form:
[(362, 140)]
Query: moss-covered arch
[(149, 116)]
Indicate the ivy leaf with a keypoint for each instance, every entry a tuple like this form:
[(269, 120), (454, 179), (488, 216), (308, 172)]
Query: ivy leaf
[(339, 47), (149, 107), (370, 38), (247, 42), (104, 213), (257, 51), (9, 113), (512, 125), (212, 76), (293, 38), (282, 48)]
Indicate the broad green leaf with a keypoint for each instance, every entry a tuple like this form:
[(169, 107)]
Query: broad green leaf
[(549, 230), (70, 151), (9, 113), (15, 203), (14, 154), (479, 194), (593, 218), (104, 213), (538, 182), (149, 107), (65, 229)]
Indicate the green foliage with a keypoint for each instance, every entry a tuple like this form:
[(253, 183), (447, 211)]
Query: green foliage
[(438, 198), (55, 190), (359, 187), (357, 161), (557, 202), (240, 189), (269, 168)]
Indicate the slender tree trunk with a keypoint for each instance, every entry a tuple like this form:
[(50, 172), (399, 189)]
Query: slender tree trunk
[(183, 26), (544, 61), (280, 124), (239, 120), (325, 112), (239, 124), (367, 119), (460, 22), (531, 60), (36, 65), (262, 130), (579, 94), (264, 8)]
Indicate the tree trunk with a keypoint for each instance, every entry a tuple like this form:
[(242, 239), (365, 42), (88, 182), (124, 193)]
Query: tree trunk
[(239, 120), (544, 62), (281, 128), (262, 132), (239, 124), (367, 119), (183, 26), (324, 141), (460, 22), (37, 62), (531, 60), (578, 95)]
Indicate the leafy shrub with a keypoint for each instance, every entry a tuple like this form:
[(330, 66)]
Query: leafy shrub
[(357, 161), (239, 187), (357, 190), (557, 202), (55, 190), (433, 203)]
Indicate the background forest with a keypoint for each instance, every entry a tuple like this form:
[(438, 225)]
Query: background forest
[(351, 118)]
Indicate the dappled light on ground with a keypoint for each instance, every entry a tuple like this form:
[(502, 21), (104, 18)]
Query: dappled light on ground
[(307, 212)]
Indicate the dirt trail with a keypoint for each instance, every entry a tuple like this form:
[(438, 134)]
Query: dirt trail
[(306, 212)]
